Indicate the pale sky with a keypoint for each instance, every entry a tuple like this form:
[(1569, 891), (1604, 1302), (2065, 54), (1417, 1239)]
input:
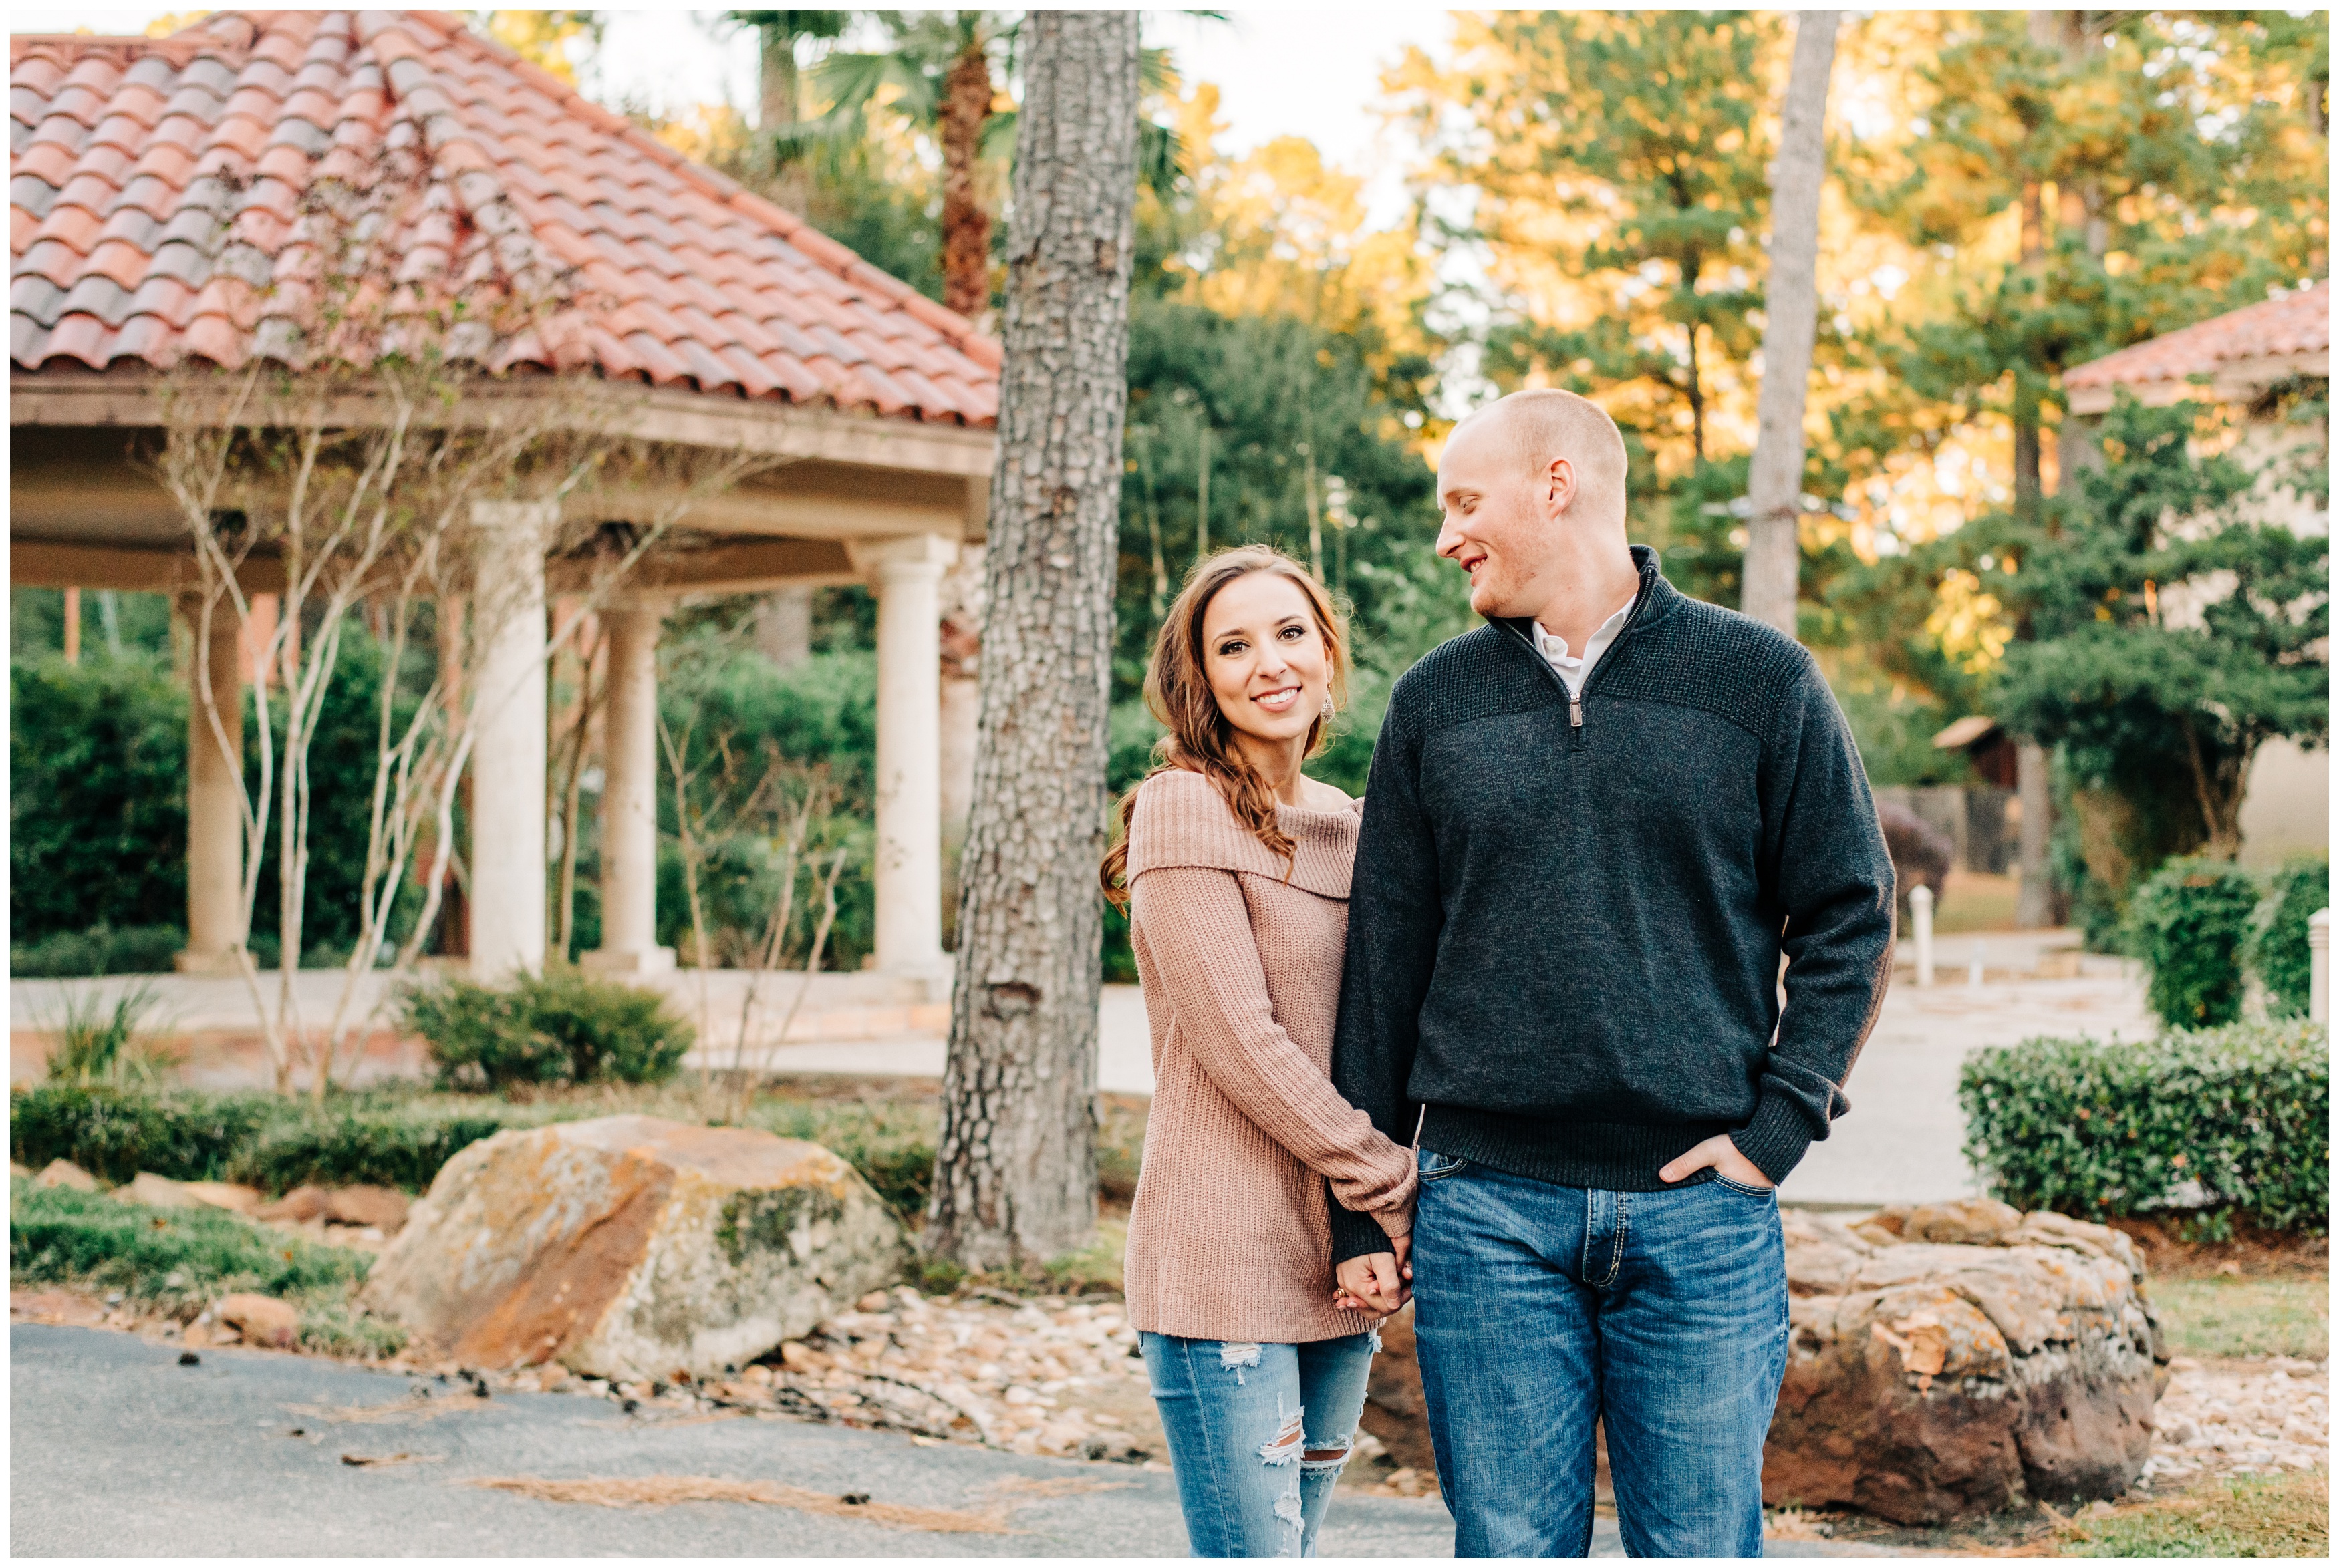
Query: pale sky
[(1280, 70)]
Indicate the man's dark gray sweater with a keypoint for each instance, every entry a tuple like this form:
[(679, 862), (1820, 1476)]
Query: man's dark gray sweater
[(1566, 919)]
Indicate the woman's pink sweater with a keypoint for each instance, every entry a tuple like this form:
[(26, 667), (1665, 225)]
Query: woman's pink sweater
[(1240, 954)]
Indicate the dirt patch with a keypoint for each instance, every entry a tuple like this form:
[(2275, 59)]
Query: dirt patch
[(2248, 1254)]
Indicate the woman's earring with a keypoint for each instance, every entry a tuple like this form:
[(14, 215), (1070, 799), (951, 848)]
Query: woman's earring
[(1329, 709)]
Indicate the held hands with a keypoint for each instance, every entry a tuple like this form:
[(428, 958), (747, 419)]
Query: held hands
[(1723, 1155), (1376, 1283)]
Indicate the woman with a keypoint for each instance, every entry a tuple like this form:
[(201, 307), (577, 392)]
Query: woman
[(1234, 868)]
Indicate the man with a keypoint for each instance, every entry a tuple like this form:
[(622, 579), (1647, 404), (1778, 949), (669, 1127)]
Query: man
[(1594, 826)]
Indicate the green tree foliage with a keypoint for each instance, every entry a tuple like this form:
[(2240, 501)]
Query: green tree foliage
[(2161, 617), (1647, 136), (2160, 167), (98, 806), (97, 768)]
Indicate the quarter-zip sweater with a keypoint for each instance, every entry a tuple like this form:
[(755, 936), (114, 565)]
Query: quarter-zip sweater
[(1567, 914)]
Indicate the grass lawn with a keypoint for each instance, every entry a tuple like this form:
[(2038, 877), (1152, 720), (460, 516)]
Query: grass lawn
[(1976, 900), (2245, 1317), (2248, 1516)]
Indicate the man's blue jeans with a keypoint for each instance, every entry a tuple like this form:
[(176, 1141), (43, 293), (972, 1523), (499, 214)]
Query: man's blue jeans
[(1540, 1308), (1241, 1420)]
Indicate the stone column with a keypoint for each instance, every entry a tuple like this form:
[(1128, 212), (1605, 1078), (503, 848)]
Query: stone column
[(907, 574), (629, 763), (215, 911), (507, 762)]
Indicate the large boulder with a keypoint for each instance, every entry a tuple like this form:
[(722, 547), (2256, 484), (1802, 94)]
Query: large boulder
[(1953, 1359), (631, 1248)]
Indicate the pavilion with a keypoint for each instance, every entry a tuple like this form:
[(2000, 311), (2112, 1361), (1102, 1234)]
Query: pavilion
[(714, 319)]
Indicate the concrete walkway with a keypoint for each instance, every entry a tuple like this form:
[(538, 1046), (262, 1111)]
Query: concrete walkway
[(117, 1450), (1901, 1141)]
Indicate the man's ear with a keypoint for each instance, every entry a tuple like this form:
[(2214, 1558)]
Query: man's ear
[(1559, 485)]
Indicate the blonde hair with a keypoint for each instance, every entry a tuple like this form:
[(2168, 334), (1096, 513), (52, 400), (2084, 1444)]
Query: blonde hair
[(1200, 740)]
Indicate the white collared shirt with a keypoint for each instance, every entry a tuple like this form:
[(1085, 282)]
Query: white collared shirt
[(1572, 670)]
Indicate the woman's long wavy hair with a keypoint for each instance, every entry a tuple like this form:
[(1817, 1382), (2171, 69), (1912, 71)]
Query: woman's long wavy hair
[(1200, 740)]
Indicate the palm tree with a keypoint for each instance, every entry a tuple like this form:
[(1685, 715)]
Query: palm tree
[(948, 70), (777, 81)]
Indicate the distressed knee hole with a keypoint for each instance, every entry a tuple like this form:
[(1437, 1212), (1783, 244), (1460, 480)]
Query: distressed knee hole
[(1290, 1441), (1316, 1461)]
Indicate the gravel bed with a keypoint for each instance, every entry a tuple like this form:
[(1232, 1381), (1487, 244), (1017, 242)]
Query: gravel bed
[(2257, 1418)]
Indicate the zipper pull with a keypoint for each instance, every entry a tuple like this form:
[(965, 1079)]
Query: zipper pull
[(1575, 713)]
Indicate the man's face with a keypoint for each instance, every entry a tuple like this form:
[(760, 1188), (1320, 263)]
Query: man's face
[(1499, 525)]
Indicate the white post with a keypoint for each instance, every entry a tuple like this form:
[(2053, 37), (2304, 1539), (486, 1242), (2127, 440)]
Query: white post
[(2318, 980), (1920, 926), (629, 797), (215, 911), (907, 574), (1973, 974), (507, 759)]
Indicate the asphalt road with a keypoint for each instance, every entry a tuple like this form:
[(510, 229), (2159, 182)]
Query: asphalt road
[(117, 1450)]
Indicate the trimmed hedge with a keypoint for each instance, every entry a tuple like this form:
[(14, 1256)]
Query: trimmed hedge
[(388, 1140), (2191, 925), (2232, 1122), (2300, 888), (272, 1143)]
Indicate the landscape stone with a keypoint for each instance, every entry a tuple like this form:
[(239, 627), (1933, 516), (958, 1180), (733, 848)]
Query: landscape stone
[(382, 1208), (632, 1248), (260, 1319), (1929, 1377), (65, 1173), (234, 1197), (158, 1192), (303, 1203)]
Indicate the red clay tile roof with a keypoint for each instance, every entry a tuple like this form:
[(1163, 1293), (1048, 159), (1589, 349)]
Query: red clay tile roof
[(129, 152), (2297, 323)]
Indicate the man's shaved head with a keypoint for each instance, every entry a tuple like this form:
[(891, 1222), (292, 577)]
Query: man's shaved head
[(1546, 424), (1532, 492)]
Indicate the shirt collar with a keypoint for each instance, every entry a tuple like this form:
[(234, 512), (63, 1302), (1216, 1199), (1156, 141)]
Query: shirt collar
[(1553, 648)]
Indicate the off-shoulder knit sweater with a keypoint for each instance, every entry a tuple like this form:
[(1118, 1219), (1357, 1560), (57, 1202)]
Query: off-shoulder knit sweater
[(1240, 954)]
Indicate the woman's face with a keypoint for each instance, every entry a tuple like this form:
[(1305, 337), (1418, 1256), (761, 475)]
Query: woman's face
[(1265, 660)]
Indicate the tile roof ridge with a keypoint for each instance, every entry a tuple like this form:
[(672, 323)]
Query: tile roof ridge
[(2211, 331), (960, 331)]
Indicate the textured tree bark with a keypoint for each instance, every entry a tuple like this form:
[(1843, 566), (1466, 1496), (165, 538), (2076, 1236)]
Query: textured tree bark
[(1015, 1171), (1791, 307)]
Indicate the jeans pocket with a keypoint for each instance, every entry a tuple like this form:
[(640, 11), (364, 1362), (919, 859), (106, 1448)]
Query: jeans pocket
[(1743, 1191), (1436, 1167)]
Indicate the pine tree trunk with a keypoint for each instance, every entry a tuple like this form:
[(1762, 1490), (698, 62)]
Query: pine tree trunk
[(776, 106), (1791, 310), (1015, 1171), (966, 225)]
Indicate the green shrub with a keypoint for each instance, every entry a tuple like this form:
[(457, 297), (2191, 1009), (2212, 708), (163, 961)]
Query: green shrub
[(562, 1027), (101, 949), (892, 1146), (2228, 1122), (2300, 888), (2191, 925), (114, 1133), (400, 1148), (164, 1257)]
